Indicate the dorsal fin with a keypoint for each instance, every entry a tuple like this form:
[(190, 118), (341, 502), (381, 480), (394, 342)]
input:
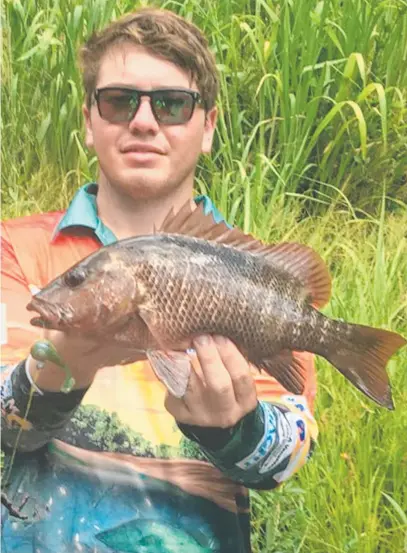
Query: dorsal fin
[(306, 265), (173, 222), (298, 260)]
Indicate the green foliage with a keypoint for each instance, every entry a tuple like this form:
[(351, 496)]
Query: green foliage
[(351, 497), (311, 92), (190, 450), (96, 429)]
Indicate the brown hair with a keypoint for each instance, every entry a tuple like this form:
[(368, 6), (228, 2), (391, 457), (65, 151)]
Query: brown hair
[(162, 33)]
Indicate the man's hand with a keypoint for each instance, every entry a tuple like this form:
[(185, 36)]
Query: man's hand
[(82, 356), (221, 389)]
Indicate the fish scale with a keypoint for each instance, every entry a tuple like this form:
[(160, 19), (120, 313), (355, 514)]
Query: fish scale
[(219, 313)]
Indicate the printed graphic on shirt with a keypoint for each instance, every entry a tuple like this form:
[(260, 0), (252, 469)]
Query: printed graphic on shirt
[(104, 503), (115, 490), (3, 324), (132, 478)]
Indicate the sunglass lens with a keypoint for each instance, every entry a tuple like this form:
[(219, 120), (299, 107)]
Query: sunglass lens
[(117, 105), (173, 107)]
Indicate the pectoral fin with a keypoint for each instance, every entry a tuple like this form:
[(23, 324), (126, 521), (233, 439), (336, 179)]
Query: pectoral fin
[(173, 368)]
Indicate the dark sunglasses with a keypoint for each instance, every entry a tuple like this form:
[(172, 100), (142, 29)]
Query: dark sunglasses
[(170, 106)]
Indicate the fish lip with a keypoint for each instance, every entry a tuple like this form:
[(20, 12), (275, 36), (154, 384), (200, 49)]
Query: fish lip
[(42, 323), (49, 315)]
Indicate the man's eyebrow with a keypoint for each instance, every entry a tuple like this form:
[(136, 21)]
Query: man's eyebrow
[(133, 87), (117, 85)]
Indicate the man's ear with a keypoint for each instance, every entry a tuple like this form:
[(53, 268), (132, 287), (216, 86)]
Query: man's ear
[(210, 125), (88, 127)]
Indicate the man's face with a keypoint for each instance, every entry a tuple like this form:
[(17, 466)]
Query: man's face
[(143, 158)]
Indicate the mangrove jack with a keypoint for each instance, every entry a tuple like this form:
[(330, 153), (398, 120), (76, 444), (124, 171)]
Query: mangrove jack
[(194, 276)]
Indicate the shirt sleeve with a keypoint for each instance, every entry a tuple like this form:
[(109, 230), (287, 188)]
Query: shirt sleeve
[(271, 443), (29, 419)]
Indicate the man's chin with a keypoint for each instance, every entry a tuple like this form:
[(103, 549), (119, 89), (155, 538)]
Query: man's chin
[(144, 185)]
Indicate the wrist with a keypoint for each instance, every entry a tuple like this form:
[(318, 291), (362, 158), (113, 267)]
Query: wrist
[(50, 377), (217, 438)]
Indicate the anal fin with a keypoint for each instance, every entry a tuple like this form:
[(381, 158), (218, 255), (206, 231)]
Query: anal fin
[(288, 370)]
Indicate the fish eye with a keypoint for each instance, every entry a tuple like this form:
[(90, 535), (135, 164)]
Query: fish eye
[(74, 278)]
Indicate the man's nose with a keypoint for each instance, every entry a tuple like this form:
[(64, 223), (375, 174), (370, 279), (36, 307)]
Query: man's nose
[(144, 120)]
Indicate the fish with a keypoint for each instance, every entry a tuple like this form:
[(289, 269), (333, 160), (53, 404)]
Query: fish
[(194, 276), (152, 536)]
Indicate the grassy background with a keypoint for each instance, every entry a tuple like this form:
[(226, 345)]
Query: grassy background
[(311, 146)]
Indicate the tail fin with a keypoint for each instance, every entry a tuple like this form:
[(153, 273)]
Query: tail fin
[(361, 355)]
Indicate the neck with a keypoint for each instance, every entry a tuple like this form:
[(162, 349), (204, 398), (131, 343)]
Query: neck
[(127, 216)]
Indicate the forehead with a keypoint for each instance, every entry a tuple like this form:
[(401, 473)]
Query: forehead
[(132, 65)]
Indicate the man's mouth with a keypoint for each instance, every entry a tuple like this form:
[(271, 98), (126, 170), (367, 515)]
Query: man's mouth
[(140, 148)]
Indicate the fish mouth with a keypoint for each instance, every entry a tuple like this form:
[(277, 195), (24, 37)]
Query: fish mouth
[(51, 316)]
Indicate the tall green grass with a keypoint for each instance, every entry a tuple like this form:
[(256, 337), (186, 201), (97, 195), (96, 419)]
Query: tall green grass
[(312, 146), (352, 496), (311, 92)]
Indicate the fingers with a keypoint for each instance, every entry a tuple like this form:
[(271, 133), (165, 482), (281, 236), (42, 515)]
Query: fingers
[(223, 365), (180, 408), (238, 369), (221, 389), (209, 394), (214, 374)]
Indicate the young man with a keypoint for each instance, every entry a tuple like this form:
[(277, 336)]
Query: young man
[(119, 464)]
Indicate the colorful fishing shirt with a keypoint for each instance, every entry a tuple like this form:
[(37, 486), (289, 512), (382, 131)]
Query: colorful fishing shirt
[(107, 469)]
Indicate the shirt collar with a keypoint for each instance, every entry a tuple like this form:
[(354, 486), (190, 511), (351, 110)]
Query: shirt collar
[(82, 212)]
